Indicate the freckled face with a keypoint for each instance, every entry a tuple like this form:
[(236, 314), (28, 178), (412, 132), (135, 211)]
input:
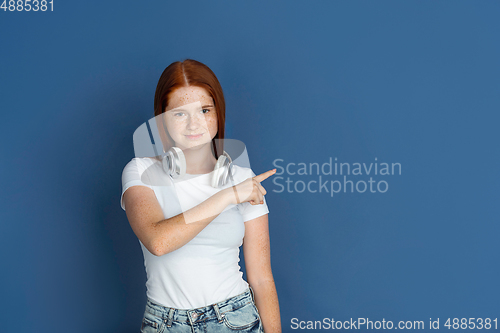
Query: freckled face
[(190, 117)]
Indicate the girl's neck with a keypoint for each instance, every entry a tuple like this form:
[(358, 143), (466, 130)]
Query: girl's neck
[(199, 160)]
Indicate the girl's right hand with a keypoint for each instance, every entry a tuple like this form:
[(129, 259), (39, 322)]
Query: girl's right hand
[(250, 190)]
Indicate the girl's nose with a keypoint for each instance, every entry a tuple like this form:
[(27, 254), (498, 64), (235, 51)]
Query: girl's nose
[(193, 122)]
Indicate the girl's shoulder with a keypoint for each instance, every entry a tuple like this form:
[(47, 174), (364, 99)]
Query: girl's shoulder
[(149, 170), (145, 161), (241, 173)]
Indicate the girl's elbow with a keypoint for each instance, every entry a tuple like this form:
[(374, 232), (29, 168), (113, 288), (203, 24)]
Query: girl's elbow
[(261, 279), (157, 248), (160, 247)]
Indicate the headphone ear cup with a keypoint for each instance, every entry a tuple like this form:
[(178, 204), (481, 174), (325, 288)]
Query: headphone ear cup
[(218, 171), (222, 170), (174, 163)]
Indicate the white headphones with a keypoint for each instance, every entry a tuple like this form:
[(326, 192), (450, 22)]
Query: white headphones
[(174, 164)]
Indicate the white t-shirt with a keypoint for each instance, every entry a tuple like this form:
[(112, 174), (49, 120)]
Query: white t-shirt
[(205, 270)]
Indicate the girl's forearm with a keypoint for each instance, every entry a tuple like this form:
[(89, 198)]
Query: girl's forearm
[(175, 232), (266, 300)]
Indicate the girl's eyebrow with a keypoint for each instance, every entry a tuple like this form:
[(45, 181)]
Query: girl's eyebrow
[(176, 109), (181, 109)]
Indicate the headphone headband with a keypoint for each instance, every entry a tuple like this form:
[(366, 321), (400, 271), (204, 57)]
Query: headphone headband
[(174, 165)]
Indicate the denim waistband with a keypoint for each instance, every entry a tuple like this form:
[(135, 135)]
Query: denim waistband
[(192, 316)]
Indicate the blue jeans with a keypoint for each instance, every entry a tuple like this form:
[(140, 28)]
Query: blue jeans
[(235, 314)]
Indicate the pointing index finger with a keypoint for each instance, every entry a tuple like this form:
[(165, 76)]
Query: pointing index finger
[(265, 175)]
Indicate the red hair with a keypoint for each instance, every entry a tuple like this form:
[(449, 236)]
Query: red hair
[(184, 74)]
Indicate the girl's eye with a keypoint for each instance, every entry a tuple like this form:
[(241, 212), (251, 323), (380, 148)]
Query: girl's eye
[(205, 111), (178, 114)]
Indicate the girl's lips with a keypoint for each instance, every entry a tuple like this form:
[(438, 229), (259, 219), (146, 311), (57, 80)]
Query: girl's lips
[(194, 136)]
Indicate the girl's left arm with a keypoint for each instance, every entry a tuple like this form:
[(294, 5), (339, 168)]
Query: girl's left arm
[(256, 250)]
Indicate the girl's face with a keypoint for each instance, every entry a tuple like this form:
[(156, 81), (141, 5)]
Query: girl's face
[(191, 117)]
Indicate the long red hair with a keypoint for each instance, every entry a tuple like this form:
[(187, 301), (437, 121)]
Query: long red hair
[(184, 74)]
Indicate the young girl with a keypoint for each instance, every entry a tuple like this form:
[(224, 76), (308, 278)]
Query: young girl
[(190, 232)]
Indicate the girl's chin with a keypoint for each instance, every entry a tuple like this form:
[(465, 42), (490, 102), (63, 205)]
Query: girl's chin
[(192, 145)]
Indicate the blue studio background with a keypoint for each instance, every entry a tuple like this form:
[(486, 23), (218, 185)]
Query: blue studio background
[(409, 82)]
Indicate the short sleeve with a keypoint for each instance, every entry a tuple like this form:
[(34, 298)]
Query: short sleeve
[(249, 211), (131, 176)]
